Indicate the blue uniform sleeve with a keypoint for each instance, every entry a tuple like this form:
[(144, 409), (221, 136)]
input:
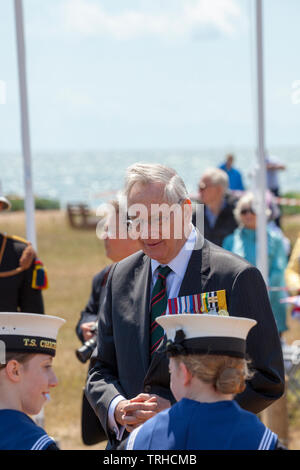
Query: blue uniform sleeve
[(42, 443), (140, 438)]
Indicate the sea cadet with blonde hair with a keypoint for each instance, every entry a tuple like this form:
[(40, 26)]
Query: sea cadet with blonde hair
[(208, 368)]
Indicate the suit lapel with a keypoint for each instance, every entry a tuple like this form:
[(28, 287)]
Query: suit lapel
[(141, 295), (197, 272)]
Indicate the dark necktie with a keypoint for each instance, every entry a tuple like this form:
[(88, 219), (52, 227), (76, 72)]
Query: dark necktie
[(158, 307)]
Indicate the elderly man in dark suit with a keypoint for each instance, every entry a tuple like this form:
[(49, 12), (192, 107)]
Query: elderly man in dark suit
[(130, 380)]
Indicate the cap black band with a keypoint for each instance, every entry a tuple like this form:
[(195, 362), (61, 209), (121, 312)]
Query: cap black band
[(29, 344), (228, 346)]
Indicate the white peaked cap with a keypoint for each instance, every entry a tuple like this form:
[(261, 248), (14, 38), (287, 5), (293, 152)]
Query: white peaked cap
[(7, 203), (29, 332), (209, 333)]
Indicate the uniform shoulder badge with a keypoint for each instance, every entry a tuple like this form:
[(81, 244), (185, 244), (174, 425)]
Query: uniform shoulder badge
[(18, 239), (39, 277)]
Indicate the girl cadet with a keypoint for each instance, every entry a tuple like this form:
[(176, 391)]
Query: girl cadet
[(27, 348), (207, 367)]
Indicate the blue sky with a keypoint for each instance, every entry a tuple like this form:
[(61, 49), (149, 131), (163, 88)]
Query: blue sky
[(110, 74)]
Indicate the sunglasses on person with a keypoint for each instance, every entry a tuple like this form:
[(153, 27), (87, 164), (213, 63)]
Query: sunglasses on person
[(247, 210), (203, 186)]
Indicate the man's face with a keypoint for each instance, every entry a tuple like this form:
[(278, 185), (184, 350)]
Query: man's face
[(116, 246), (158, 233), (210, 193), (1, 206)]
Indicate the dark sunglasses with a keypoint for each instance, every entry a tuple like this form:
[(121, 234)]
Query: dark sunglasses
[(247, 211)]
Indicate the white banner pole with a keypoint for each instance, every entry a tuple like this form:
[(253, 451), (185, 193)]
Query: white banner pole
[(261, 230), (29, 198)]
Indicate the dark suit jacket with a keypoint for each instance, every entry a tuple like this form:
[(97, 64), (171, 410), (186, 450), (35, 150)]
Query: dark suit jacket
[(123, 356), (91, 310)]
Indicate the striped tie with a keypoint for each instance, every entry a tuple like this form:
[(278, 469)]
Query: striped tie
[(158, 307)]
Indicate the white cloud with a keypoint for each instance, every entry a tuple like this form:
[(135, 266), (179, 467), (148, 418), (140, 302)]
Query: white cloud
[(88, 17), (2, 92), (75, 98)]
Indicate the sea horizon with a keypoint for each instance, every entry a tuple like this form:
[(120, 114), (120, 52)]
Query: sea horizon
[(93, 176)]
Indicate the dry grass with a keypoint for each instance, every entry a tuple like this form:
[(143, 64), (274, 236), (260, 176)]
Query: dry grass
[(72, 257)]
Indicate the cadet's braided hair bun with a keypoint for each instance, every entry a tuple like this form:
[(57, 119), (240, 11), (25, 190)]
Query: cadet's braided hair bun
[(230, 380), (226, 374)]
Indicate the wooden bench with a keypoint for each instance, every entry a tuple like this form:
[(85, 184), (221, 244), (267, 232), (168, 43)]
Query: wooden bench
[(80, 216)]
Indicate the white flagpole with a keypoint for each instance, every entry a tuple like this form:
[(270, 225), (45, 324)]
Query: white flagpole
[(261, 230), (29, 198)]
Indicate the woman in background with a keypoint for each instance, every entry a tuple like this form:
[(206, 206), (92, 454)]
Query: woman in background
[(243, 243)]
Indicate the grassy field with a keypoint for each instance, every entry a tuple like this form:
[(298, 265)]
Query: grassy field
[(72, 257)]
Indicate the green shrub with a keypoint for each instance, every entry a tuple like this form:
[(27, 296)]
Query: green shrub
[(17, 204), (290, 210)]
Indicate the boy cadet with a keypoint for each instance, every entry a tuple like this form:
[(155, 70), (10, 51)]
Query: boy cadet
[(27, 348)]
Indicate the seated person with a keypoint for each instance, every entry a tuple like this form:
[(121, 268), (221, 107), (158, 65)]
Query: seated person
[(27, 348), (207, 367)]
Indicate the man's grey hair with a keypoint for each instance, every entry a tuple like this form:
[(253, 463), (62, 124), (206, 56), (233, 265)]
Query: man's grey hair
[(147, 173), (217, 177)]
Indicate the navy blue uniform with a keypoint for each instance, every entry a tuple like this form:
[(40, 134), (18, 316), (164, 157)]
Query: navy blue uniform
[(19, 432), (191, 425), (16, 291)]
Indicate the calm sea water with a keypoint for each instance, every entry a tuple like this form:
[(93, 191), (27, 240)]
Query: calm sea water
[(92, 177)]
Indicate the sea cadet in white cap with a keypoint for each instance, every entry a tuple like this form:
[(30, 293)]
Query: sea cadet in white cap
[(208, 368), (27, 348)]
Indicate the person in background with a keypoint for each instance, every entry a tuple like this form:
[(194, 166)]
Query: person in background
[(274, 214), (219, 204), (116, 249), (292, 279), (22, 274), (243, 243), (292, 272), (208, 368), (273, 167), (26, 378), (234, 175)]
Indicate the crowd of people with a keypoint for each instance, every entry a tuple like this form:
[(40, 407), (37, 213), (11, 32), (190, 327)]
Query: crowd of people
[(167, 325)]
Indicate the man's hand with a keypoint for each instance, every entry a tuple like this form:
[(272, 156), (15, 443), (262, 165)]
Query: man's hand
[(27, 257), (87, 333), (141, 408)]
